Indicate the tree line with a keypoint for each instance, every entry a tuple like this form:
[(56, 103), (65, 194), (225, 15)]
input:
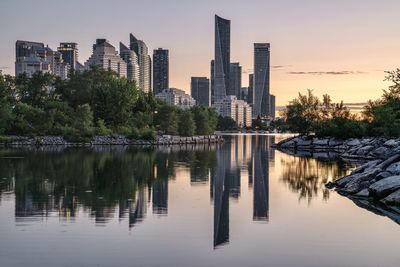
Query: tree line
[(92, 102), (307, 114)]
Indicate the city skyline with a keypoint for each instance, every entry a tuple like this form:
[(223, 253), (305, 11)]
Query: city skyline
[(316, 45)]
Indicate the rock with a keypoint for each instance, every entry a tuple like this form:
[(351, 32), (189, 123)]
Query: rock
[(381, 152), (320, 142), (394, 168), (393, 198), (389, 161), (382, 175), (353, 142), (385, 186), (391, 143), (366, 166), (361, 181), (303, 142), (364, 150), (335, 142), (363, 193)]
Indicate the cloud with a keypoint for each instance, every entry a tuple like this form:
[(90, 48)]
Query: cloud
[(273, 67), (343, 72)]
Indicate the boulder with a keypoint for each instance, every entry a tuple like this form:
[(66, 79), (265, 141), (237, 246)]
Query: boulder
[(320, 142), (382, 175), (364, 150), (335, 142), (391, 143), (303, 142), (393, 198), (361, 181), (385, 186), (353, 142), (389, 161), (365, 166), (394, 168), (363, 193), (381, 152)]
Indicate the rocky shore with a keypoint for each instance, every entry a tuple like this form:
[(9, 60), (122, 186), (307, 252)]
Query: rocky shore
[(164, 140), (376, 179)]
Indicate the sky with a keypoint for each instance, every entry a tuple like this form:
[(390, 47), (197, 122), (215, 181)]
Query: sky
[(338, 47)]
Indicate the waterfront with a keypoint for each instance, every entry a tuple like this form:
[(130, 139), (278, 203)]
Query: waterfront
[(241, 203)]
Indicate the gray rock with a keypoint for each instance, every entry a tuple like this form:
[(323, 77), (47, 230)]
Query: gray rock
[(361, 181), (391, 143), (364, 150), (394, 168), (389, 161), (335, 142), (365, 166), (381, 152), (363, 193), (353, 142), (320, 142), (303, 142), (382, 175), (385, 186), (393, 198)]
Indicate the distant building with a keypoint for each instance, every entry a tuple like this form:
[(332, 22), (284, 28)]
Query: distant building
[(105, 56), (250, 90), (31, 57), (144, 61), (131, 60), (261, 105), (200, 90), (244, 92), (69, 52), (212, 81), (160, 70), (272, 106), (222, 48), (239, 110), (176, 97), (235, 80)]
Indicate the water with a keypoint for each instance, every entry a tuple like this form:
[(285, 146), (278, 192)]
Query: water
[(239, 204)]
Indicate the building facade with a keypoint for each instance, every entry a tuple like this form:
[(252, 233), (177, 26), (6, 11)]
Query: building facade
[(160, 70), (272, 106), (222, 48), (69, 52), (250, 90), (176, 97), (239, 110), (31, 57), (131, 60), (105, 56), (200, 90), (144, 61), (261, 105), (212, 81), (235, 80)]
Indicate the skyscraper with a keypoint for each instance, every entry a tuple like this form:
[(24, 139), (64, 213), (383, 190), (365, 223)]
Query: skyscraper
[(222, 57), (272, 106), (250, 93), (144, 60), (160, 70), (106, 56), (261, 105), (200, 90), (212, 82), (69, 52), (131, 61), (235, 80)]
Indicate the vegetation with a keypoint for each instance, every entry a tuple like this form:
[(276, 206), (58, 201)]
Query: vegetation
[(93, 102), (307, 114)]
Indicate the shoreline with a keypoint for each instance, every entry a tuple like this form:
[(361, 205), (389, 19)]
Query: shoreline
[(109, 140), (376, 179)]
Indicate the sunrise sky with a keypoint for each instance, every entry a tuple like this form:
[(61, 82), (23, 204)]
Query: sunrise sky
[(337, 47)]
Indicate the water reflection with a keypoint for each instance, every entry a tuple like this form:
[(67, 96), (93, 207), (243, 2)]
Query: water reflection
[(130, 183)]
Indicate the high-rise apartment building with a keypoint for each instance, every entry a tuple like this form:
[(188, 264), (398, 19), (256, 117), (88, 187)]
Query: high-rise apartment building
[(69, 52), (250, 91), (221, 57), (239, 110), (200, 90), (160, 70), (176, 97), (31, 57), (261, 105), (105, 56), (144, 60), (131, 60), (235, 80), (212, 81)]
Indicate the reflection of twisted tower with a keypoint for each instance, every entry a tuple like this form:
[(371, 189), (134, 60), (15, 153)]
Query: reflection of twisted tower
[(261, 181), (160, 196), (221, 187), (137, 211)]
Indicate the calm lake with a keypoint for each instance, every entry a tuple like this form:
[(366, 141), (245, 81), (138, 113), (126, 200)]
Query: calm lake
[(237, 204)]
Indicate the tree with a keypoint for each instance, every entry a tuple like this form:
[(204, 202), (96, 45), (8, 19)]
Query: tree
[(84, 120), (202, 120), (187, 125), (226, 123), (35, 91), (167, 119)]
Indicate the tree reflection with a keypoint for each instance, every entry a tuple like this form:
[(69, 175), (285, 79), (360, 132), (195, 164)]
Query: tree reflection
[(307, 176)]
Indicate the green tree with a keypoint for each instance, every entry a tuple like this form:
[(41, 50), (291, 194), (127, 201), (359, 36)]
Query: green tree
[(167, 119), (187, 125), (35, 91), (84, 120)]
